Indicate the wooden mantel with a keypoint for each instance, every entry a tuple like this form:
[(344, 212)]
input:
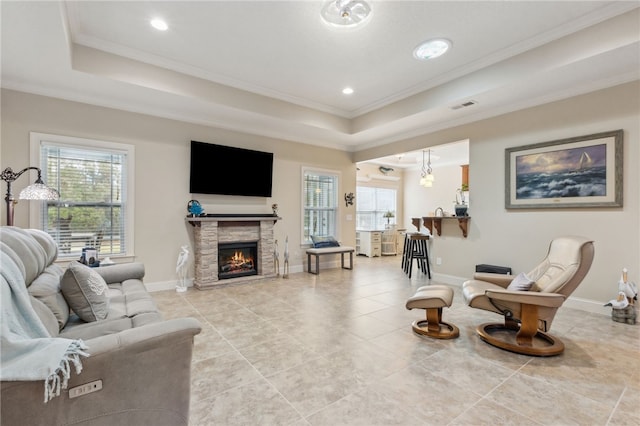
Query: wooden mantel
[(251, 217)]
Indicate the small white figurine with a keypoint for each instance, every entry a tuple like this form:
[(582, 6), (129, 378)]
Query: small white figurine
[(285, 272), (276, 258), (181, 269), (619, 302), (629, 288)]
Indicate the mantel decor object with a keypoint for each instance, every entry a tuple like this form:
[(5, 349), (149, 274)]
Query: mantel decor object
[(181, 269), (194, 208), (285, 271), (624, 305), (276, 258)]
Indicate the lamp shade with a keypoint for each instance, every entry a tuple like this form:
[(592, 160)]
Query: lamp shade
[(39, 191)]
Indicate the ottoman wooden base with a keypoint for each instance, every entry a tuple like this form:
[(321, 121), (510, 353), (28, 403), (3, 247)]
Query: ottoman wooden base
[(433, 298)]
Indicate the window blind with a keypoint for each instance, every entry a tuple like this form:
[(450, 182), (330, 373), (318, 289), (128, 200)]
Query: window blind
[(92, 205)]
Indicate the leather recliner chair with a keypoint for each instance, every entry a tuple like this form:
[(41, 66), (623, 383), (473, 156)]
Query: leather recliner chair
[(528, 314)]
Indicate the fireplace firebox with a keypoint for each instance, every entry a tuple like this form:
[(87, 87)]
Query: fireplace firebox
[(237, 259)]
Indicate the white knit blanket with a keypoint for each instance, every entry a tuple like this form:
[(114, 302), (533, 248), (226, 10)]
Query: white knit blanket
[(28, 352)]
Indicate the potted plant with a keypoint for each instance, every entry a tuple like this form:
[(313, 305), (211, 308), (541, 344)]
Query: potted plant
[(461, 203), (389, 215)]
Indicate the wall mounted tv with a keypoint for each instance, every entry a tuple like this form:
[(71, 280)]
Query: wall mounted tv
[(225, 170)]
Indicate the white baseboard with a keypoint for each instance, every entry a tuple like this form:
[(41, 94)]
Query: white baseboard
[(165, 285), (448, 279)]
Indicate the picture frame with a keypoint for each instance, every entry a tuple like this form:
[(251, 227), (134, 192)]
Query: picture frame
[(89, 255), (577, 172)]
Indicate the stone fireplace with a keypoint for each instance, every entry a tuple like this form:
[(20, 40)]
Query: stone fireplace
[(232, 233)]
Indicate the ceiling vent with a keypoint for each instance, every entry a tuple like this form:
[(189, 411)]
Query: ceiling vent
[(463, 105)]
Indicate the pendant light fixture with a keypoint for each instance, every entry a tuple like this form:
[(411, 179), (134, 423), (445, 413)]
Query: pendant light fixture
[(426, 177)]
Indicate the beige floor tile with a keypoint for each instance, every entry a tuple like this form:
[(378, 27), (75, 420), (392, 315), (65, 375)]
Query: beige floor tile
[(430, 398), (311, 386), (256, 403), (214, 375), (363, 408), (487, 413), (278, 354), (548, 403), (471, 373), (338, 348)]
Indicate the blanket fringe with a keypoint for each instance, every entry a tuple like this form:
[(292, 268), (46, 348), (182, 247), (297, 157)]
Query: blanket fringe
[(59, 379)]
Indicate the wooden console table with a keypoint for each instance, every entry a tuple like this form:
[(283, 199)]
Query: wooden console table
[(436, 221)]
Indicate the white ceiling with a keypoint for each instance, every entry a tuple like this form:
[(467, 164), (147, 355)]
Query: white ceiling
[(276, 69)]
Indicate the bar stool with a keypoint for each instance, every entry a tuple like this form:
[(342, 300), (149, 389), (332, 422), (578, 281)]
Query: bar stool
[(406, 251), (416, 248)]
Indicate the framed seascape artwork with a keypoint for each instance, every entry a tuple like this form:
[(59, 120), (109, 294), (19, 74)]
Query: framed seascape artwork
[(584, 171)]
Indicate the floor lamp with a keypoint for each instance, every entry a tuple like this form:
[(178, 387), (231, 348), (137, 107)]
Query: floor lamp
[(37, 191)]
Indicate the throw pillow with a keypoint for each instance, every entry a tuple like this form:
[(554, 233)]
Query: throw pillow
[(321, 242), (85, 291), (521, 283)]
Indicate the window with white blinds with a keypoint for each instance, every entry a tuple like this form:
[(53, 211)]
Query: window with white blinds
[(93, 207), (320, 198), (373, 204)]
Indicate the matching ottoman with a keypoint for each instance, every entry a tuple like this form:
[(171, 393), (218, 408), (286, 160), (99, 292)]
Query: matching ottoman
[(433, 298)]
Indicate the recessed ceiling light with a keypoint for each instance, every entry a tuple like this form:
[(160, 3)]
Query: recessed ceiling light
[(159, 24), (431, 49), (347, 91)]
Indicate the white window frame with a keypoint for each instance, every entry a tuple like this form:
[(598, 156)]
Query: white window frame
[(377, 212), (327, 172), (36, 140)]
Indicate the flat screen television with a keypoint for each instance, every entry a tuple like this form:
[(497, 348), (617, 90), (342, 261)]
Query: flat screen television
[(226, 170)]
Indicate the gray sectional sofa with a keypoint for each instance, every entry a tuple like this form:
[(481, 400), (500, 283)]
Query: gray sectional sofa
[(137, 371)]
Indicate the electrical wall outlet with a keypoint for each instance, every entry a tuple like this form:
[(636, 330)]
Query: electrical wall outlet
[(438, 261), (85, 389)]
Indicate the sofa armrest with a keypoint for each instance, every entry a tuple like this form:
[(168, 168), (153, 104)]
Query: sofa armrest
[(121, 272), (145, 374)]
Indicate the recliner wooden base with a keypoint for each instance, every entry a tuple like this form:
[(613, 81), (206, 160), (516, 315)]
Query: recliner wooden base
[(511, 338)]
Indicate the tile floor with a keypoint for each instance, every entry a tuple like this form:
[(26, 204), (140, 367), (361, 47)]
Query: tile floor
[(338, 349)]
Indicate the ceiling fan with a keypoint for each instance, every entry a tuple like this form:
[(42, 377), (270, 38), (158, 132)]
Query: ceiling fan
[(346, 13)]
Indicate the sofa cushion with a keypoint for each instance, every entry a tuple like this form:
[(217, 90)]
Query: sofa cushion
[(48, 244), (46, 288), (46, 316), (31, 254), (322, 242), (86, 292)]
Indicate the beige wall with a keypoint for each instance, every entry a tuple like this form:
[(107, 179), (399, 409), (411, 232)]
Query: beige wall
[(162, 172), (422, 201), (505, 237), (519, 238)]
